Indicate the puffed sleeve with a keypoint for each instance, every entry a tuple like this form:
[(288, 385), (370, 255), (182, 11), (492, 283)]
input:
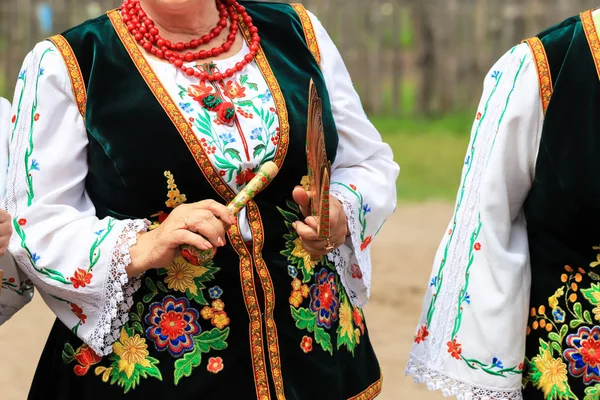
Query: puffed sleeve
[(470, 340), (76, 261), (364, 174)]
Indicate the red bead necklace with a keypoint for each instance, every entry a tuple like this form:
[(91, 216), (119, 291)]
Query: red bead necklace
[(148, 36)]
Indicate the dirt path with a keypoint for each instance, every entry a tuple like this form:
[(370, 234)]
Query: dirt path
[(402, 257)]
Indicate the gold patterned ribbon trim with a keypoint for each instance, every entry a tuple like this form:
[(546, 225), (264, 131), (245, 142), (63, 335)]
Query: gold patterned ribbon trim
[(309, 32), (543, 70), (77, 83)]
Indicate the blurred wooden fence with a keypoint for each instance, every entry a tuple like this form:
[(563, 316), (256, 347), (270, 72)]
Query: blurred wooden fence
[(410, 57)]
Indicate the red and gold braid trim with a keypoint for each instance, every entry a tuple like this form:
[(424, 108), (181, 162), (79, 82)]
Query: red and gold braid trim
[(309, 31), (371, 392), (269, 291), (77, 83), (543, 70), (591, 33)]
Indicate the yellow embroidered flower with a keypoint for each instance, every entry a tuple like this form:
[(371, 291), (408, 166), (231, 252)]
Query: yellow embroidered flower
[(553, 300), (220, 320), (131, 351), (296, 284), (305, 183), (553, 373), (218, 305), (105, 372), (346, 327), (296, 298), (207, 313), (305, 291), (175, 197), (181, 274), (300, 252)]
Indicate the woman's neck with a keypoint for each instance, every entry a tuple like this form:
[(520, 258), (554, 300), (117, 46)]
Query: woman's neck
[(184, 20)]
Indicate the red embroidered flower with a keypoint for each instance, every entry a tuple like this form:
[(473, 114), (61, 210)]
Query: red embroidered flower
[(244, 177), (306, 344), (583, 356), (358, 319), (78, 312), (272, 109), (275, 140), (478, 116), (353, 187), (81, 278), (366, 243), (85, 357), (455, 349), (36, 117), (226, 112), (450, 232), (22, 221), (521, 367), (323, 298), (215, 365), (222, 172), (197, 92), (14, 119), (477, 246), (421, 334), (356, 272), (233, 90), (192, 120)]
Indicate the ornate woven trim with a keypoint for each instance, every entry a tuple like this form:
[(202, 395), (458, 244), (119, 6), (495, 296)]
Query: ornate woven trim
[(309, 31), (543, 70)]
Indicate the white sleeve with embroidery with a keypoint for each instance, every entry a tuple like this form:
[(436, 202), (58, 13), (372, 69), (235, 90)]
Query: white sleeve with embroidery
[(16, 288), (76, 261), (364, 174), (470, 341)]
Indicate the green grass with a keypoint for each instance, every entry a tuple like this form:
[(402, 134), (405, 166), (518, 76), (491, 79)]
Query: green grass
[(430, 153)]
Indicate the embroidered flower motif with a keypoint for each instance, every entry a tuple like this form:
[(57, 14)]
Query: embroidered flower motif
[(495, 74), (467, 298), (172, 325), (292, 271), (479, 116), (497, 363), (552, 373), (477, 246), (215, 292), (583, 356), (366, 209), (215, 313), (222, 172), (256, 134), (559, 315), (14, 119), (207, 313), (455, 349), (22, 74), (85, 358), (299, 293), (421, 334), (366, 243), (35, 257), (433, 281), (81, 278), (275, 139), (218, 305), (307, 344), (227, 138), (181, 274), (78, 311), (356, 272), (468, 160), (132, 351), (42, 70), (220, 320), (266, 97), (353, 187), (233, 90), (323, 298), (35, 165), (226, 112), (36, 117), (22, 222), (186, 107), (358, 319), (244, 177), (215, 365), (197, 92)]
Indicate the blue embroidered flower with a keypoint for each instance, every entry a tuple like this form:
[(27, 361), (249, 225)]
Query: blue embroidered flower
[(256, 134), (35, 257), (468, 298), (468, 160), (22, 74), (35, 165), (495, 74), (227, 138), (497, 363), (292, 271), (559, 315), (366, 208), (42, 70), (215, 292), (267, 96), (433, 282), (100, 232), (186, 107)]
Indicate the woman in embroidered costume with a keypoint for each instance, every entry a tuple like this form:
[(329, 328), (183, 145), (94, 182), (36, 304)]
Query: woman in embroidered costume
[(128, 135), (513, 305)]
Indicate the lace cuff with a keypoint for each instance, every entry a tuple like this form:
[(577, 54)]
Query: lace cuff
[(353, 259), (118, 292), (452, 386)]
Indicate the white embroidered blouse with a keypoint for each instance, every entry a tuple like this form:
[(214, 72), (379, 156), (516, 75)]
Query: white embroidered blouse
[(470, 340), (55, 222)]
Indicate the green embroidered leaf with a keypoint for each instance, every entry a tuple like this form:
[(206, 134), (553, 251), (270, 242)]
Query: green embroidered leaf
[(253, 86), (68, 353), (140, 309), (556, 347), (592, 393), (592, 294), (133, 317), (563, 332), (244, 103), (226, 164), (288, 215), (161, 287), (293, 206), (324, 339), (138, 327), (259, 149), (233, 153), (587, 317), (150, 285), (199, 298), (185, 365), (270, 121), (577, 309), (152, 371), (148, 298), (554, 336), (243, 79), (575, 323), (305, 319), (215, 339), (57, 276)]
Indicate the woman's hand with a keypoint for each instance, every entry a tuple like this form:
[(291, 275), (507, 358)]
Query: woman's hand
[(202, 225), (5, 231), (307, 230)]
